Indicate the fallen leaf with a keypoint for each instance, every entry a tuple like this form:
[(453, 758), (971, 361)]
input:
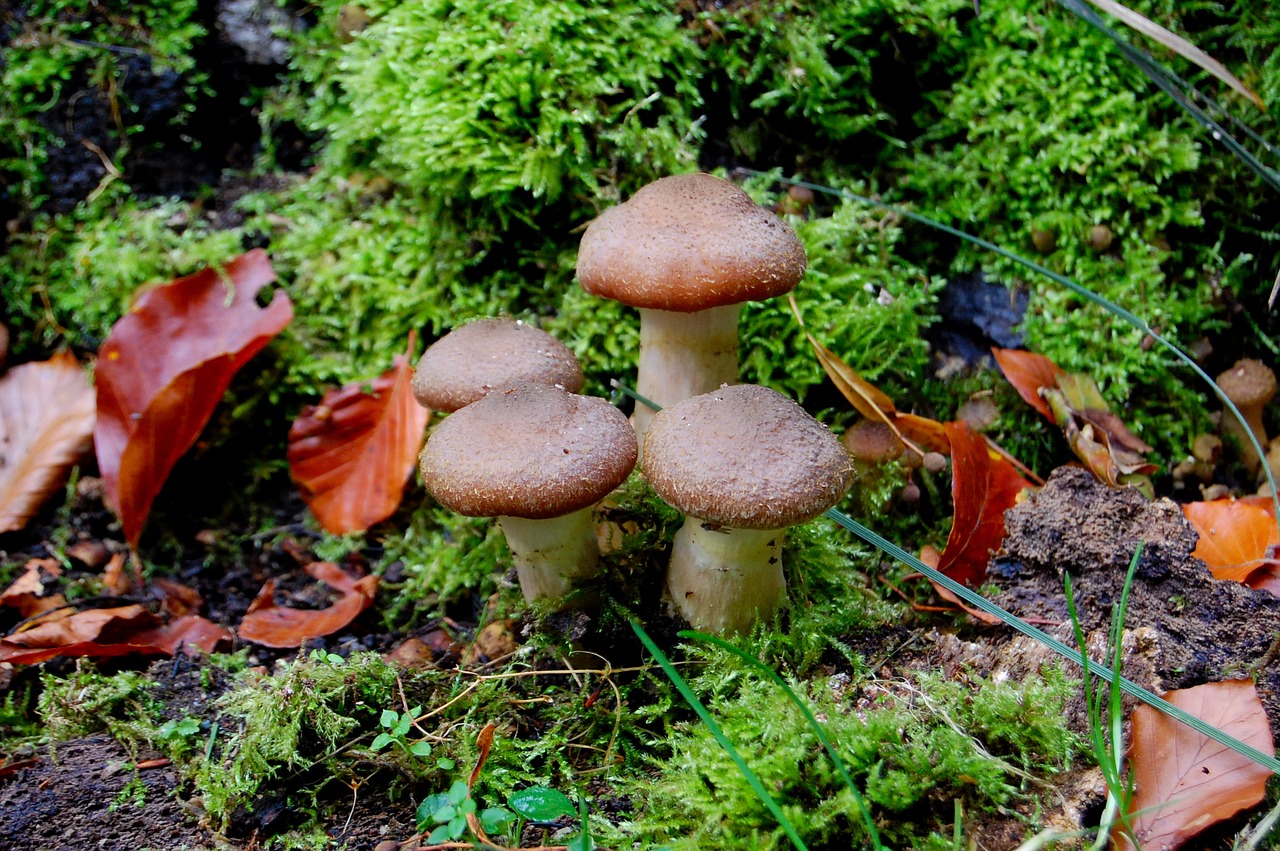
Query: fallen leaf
[(1236, 537), (46, 424), (164, 368), (1028, 372), (279, 626), (119, 631), (1184, 780), (983, 486), (28, 594), (352, 454)]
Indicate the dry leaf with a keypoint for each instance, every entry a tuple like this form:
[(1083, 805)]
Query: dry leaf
[(46, 424), (164, 368), (279, 626), (352, 454), (121, 631), (1028, 372), (983, 486), (1184, 780), (28, 594), (1237, 537)]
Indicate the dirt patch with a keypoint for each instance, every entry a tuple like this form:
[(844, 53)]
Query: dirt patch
[(87, 793)]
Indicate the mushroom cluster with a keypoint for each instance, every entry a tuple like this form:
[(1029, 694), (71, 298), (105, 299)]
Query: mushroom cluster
[(741, 462)]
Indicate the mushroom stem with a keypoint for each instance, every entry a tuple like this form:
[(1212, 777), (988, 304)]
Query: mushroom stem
[(684, 355), (554, 555), (723, 580)]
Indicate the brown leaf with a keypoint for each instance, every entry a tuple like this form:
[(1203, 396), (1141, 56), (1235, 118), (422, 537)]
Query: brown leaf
[(164, 368), (279, 626), (1184, 780), (983, 486), (1028, 372), (353, 453), (1236, 536), (46, 423), (28, 594)]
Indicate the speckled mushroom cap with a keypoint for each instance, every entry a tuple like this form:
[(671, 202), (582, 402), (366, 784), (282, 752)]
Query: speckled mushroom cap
[(473, 359), (689, 242), (1250, 382), (747, 457), (533, 451)]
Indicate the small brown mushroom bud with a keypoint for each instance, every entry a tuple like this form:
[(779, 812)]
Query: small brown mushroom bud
[(1250, 385), (1044, 241), (1100, 238)]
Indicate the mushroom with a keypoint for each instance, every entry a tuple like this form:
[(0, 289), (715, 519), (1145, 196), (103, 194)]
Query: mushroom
[(488, 354), (742, 463), (1250, 384), (537, 457), (687, 250)]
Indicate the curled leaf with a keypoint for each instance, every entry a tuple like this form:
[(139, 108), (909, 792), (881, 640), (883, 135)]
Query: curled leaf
[(1237, 538), (164, 368), (352, 454), (279, 626), (46, 423)]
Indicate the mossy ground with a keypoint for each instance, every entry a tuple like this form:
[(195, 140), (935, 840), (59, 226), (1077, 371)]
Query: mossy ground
[(456, 151)]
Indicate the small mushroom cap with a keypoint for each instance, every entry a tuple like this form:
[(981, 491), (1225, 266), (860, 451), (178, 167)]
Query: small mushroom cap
[(872, 441), (534, 451), (686, 243), (746, 457), (490, 354), (1249, 383)]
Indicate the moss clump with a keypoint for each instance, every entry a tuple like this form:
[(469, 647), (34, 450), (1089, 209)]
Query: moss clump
[(88, 702), (515, 98), (912, 747)]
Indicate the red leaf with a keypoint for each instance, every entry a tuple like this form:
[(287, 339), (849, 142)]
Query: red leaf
[(164, 368), (278, 626), (1028, 372), (46, 421), (983, 485), (1235, 536), (1186, 781), (352, 454)]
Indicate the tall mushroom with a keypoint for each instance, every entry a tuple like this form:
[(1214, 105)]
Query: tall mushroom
[(488, 354), (742, 463), (538, 458), (687, 250)]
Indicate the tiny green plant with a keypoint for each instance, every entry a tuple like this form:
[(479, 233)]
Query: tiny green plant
[(445, 814), (396, 727)]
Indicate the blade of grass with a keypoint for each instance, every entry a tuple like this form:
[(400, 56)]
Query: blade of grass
[(1071, 654), (1181, 92), (808, 715), (692, 699), (1079, 289), (1178, 44)]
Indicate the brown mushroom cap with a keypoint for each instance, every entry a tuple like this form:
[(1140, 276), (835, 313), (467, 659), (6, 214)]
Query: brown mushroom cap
[(488, 354), (1250, 383), (872, 441), (686, 243), (746, 457), (533, 451)]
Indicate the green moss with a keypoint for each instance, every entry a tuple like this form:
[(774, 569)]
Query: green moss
[(512, 99), (912, 747), (62, 43), (88, 702)]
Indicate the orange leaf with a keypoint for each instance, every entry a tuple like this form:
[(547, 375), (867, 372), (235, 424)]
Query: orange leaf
[(28, 594), (1186, 781), (1235, 536), (983, 486), (46, 422), (278, 626), (1028, 372), (164, 368), (353, 453)]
